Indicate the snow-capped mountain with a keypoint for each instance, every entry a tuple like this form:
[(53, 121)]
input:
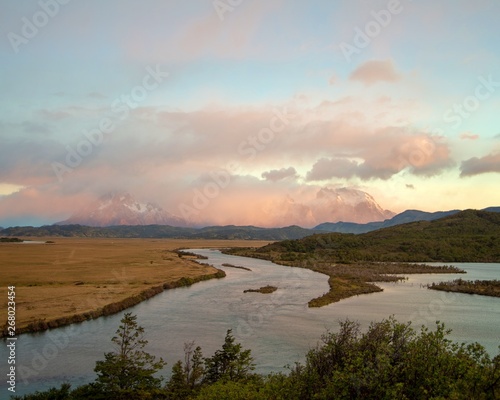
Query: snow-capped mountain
[(348, 205), (332, 205), (122, 209)]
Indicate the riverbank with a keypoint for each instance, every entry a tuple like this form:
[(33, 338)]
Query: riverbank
[(75, 279)]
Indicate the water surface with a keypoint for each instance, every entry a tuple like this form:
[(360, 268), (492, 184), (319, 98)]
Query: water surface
[(279, 328)]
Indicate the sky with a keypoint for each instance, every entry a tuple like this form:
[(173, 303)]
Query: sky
[(222, 110)]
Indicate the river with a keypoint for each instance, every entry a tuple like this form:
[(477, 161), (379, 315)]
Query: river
[(279, 328)]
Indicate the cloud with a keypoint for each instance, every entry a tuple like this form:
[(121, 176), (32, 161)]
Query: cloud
[(469, 136), (46, 204), (7, 189), (166, 155), (483, 165), (325, 169), (381, 154), (279, 174), (332, 80), (410, 186), (375, 71)]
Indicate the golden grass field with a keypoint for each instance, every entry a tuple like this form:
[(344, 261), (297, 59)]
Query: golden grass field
[(77, 275)]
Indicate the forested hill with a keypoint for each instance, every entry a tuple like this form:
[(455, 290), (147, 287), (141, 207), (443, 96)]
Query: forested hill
[(160, 231), (468, 236)]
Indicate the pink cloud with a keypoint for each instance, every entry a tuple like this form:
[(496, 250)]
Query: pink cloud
[(469, 136), (178, 152), (44, 203), (375, 71), (382, 155)]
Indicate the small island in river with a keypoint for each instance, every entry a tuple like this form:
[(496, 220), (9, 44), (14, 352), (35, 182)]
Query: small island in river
[(235, 266), (264, 289), (483, 288)]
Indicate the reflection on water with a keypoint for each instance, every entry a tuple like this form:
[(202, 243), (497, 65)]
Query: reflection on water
[(278, 327)]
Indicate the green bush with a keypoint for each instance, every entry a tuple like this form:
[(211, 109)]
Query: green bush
[(389, 361)]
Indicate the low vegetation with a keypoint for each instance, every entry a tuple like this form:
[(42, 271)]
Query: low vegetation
[(347, 280), (483, 288), (389, 361), (188, 254), (235, 266), (264, 290), (10, 240)]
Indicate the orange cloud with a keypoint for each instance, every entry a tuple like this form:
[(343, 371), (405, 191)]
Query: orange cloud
[(375, 71)]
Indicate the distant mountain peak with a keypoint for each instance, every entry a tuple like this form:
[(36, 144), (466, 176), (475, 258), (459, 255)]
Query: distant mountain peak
[(327, 204), (349, 204), (121, 208)]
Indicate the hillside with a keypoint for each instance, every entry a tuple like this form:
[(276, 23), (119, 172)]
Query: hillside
[(402, 218), (468, 236)]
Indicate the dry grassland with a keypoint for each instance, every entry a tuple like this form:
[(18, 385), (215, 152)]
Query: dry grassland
[(79, 275)]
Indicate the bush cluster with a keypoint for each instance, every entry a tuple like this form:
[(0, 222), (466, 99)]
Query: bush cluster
[(389, 361)]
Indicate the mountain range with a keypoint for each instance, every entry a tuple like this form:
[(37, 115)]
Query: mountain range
[(402, 218), (119, 214), (121, 208), (220, 232)]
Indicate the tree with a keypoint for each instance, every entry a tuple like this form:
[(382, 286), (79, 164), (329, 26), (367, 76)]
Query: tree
[(231, 363), (186, 377), (392, 361), (177, 387), (129, 369), (63, 393), (193, 364)]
